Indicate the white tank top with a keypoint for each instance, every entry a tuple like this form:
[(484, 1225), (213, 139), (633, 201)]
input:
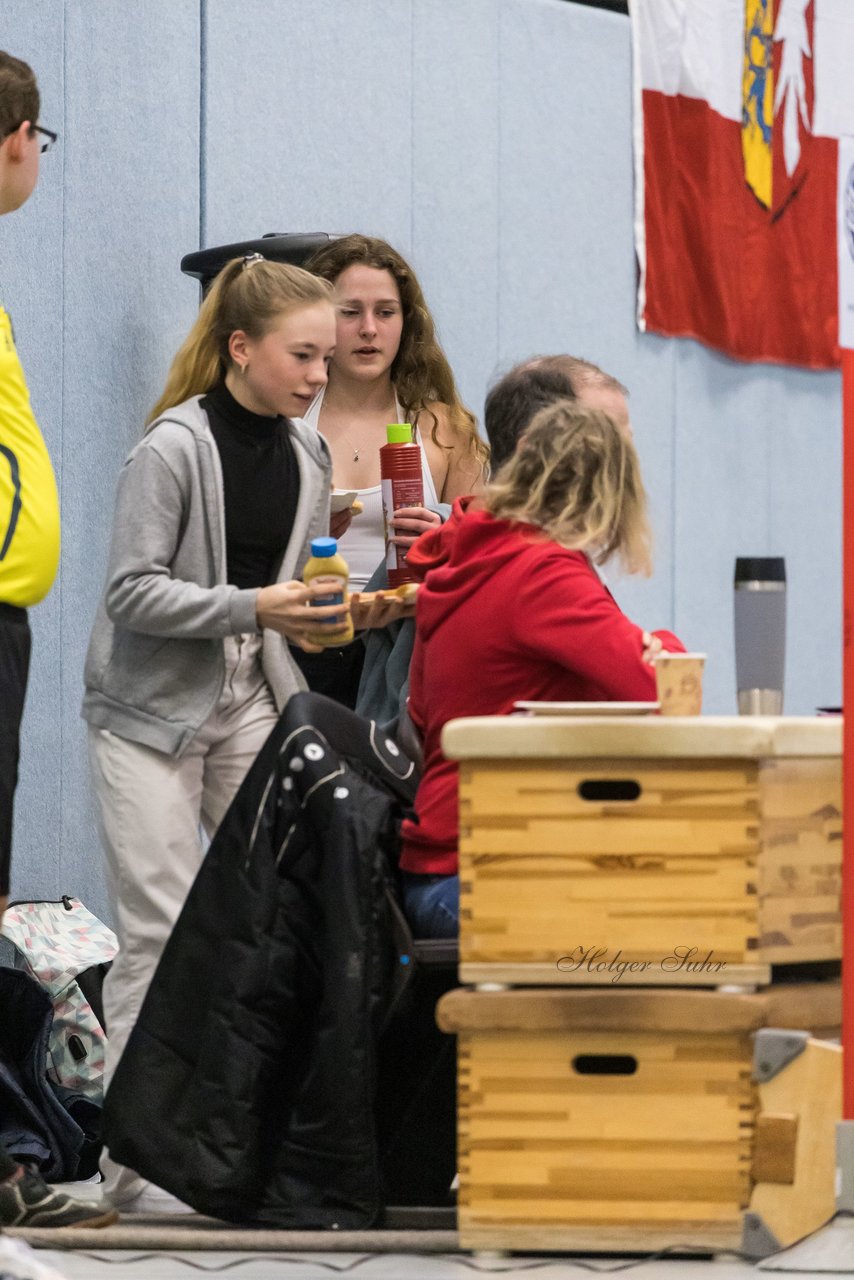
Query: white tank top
[(363, 545)]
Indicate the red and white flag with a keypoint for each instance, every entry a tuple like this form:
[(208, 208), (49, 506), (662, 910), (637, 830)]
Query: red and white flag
[(739, 106)]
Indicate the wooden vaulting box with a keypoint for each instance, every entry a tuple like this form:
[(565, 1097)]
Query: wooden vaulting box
[(647, 849), (639, 1116)]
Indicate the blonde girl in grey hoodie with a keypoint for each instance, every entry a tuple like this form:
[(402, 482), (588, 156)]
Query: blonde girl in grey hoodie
[(188, 664)]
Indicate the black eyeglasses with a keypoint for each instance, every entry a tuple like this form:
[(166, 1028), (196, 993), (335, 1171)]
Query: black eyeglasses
[(46, 133)]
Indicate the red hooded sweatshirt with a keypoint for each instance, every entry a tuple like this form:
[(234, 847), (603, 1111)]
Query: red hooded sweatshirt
[(505, 614)]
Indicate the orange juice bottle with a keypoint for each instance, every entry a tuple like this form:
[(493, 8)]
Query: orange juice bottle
[(326, 565)]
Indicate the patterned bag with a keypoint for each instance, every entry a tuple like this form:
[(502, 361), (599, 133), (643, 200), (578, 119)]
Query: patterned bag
[(63, 945)]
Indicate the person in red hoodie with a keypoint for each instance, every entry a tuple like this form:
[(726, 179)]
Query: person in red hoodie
[(513, 608)]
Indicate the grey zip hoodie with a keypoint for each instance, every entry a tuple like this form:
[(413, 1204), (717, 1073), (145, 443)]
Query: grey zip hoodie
[(156, 665)]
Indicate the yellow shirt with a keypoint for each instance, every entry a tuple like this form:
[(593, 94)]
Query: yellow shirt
[(29, 503)]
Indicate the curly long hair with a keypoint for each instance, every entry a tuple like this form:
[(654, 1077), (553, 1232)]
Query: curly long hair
[(420, 370), (576, 476)]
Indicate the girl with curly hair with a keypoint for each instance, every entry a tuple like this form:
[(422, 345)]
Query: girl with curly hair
[(388, 366)]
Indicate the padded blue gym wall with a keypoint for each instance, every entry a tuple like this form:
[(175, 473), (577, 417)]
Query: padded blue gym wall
[(490, 140), (89, 275)]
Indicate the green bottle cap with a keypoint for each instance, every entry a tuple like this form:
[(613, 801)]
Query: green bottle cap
[(399, 433)]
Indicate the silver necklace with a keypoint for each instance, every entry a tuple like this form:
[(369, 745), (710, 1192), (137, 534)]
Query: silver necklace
[(357, 447), (354, 447)]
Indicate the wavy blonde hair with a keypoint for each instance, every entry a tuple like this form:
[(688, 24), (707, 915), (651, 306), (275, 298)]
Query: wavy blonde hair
[(248, 294), (420, 371), (576, 476)]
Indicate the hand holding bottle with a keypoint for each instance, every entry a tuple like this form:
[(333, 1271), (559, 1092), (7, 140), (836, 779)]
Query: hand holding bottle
[(410, 522), (402, 485), (328, 570), (286, 607)]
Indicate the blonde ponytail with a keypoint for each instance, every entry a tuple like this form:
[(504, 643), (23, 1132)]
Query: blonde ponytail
[(248, 294)]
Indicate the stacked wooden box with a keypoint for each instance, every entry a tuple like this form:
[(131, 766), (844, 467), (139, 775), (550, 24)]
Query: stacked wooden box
[(677, 853)]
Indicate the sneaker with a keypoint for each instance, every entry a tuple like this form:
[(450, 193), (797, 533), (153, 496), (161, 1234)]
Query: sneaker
[(27, 1201), (19, 1262)]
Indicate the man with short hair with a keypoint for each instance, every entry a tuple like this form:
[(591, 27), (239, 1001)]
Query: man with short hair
[(535, 383), (528, 387), (29, 556)]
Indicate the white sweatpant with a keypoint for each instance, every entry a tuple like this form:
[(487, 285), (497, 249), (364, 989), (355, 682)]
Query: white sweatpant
[(151, 807)]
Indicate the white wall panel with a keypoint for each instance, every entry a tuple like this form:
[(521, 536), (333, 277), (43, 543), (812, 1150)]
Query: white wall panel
[(757, 474), (804, 459), (131, 211), (566, 258), (102, 310), (455, 167), (308, 118)]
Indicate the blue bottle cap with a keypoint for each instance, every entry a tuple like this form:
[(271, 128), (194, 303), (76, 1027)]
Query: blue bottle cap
[(323, 547)]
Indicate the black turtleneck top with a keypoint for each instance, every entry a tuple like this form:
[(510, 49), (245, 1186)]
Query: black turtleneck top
[(261, 481)]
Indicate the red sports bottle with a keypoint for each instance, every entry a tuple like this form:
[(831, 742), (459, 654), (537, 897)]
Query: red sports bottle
[(402, 484)]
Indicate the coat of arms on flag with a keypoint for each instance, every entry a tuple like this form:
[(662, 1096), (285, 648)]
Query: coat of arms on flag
[(739, 105)]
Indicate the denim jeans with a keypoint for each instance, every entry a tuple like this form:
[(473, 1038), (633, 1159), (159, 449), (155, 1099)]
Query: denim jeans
[(432, 905)]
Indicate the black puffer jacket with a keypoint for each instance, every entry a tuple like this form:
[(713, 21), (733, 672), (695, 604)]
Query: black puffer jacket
[(247, 1086)]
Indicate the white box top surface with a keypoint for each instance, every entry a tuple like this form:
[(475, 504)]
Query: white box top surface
[(632, 737)]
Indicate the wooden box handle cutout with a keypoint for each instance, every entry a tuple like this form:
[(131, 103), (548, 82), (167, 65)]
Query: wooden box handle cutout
[(605, 1064), (600, 789)]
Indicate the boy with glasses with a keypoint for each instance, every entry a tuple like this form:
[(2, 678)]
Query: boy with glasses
[(29, 555)]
